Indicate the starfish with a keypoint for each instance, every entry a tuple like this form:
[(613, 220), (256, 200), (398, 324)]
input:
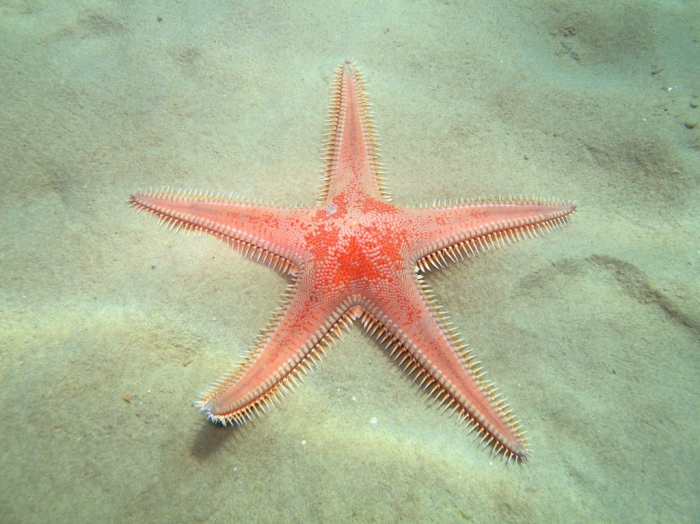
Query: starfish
[(356, 256)]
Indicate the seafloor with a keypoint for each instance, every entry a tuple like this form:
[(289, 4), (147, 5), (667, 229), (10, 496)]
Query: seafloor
[(591, 332)]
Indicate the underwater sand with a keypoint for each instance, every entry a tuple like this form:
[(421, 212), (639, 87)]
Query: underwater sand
[(591, 332)]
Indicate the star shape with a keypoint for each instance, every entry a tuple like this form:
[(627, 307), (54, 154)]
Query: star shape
[(356, 256)]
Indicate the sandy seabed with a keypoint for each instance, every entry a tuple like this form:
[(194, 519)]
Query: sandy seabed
[(591, 332)]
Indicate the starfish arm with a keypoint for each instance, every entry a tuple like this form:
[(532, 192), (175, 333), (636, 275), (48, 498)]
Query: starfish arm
[(352, 169), (418, 334), (265, 233), (306, 325), (454, 231)]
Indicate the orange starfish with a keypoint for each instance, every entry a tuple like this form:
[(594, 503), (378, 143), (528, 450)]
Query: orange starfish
[(356, 256)]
